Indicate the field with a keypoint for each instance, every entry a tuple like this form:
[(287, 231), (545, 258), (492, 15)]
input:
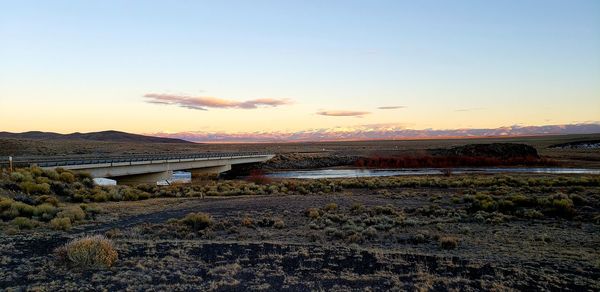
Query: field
[(303, 150), (60, 231), (471, 232)]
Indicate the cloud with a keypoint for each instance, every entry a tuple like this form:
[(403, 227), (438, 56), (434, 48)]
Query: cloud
[(380, 132), (469, 109), (391, 107), (204, 102), (343, 113), (381, 127)]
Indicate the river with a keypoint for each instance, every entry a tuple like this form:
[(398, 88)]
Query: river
[(345, 173), (182, 176)]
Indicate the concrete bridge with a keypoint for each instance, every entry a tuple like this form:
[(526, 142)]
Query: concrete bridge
[(153, 168)]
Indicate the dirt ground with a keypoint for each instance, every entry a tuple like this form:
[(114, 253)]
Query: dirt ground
[(358, 239)]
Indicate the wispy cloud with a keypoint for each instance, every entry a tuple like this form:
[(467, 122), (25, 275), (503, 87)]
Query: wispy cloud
[(391, 107), (343, 113), (205, 102), (380, 132), (469, 109)]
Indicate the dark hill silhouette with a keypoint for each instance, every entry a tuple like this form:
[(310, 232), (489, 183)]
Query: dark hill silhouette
[(108, 136)]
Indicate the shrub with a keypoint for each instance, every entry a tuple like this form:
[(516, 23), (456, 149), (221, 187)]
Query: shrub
[(369, 232), (330, 207), (45, 211), (17, 177), (312, 213), (51, 174), (83, 176), (90, 210), (21, 209), (279, 224), (88, 252), (247, 222), (60, 189), (60, 223), (35, 188), (100, 195), (88, 182), (385, 210), (36, 170), (532, 214), (5, 203), (563, 207), (258, 177), (47, 199), (23, 223), (522, 201), (506, 206), (41, 179), (67, 177), (357, 207), (74, 213), (197, 221), (448, 242), (579, 200), (131, 194)]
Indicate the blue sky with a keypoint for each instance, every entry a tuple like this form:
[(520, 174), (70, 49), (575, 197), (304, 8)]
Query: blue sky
[(450, 64)]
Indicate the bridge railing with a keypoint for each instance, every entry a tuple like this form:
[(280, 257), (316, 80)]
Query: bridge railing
[(57, 162)]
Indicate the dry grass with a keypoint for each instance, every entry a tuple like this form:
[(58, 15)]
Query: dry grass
[(313, 213), (197, 221), (448, 242), (88, 252), (75, 213), (60, 223)]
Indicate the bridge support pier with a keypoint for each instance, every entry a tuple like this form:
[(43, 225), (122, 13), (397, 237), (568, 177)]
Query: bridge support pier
[(208, 172), (146, 178)]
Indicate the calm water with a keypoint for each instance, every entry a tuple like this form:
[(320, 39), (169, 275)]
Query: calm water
[(343, 173), (186, 177)]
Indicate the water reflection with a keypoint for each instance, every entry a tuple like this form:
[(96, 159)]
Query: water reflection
[(346, 173)]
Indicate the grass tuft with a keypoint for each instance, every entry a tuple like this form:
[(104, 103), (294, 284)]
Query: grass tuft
[(448, 242), (60, 223), (88, 252), (197, 221), (23, 223)]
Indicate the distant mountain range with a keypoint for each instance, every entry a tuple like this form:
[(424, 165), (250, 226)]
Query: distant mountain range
[(108, 136), (383, 132)]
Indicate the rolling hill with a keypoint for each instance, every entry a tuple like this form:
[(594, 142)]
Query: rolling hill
[(108, 136)]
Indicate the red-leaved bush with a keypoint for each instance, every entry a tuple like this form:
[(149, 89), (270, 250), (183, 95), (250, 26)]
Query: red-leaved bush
[(450, 161), (258, 176)]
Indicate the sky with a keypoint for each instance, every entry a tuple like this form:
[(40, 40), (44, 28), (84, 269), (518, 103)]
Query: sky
[(288, 67)]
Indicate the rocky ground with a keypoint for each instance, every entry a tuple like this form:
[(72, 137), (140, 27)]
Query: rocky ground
[(418, 238)]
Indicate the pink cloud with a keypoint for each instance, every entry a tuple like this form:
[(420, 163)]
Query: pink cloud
[(204, 102), (391, 107), (343, 113)]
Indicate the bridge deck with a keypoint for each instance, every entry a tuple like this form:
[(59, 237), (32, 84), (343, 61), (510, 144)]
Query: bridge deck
[(126, 160)]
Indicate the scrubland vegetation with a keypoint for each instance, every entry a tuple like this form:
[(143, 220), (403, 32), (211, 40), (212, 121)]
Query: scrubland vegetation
[(464, 232), (35, 197)]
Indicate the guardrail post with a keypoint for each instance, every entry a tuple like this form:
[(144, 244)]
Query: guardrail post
[(10, 165)]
